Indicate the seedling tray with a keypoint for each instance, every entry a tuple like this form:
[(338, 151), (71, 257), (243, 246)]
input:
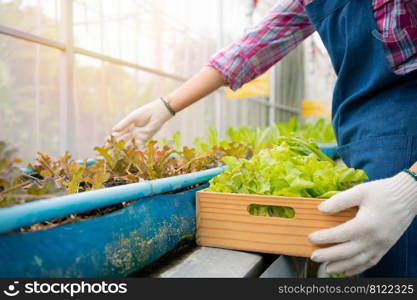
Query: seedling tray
[(223, 221)]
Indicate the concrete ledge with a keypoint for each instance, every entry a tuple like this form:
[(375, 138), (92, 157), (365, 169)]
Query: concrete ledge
[(206, 262), (286, 267)]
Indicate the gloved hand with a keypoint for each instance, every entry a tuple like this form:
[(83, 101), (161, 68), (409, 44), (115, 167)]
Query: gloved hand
[(386, 209), (142, 123)]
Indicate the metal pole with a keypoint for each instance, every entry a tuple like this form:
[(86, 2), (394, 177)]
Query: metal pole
[(67, 98), (218, 101), (250, 8), (5, 30), (18, 34), (38, 82), (272, 95)]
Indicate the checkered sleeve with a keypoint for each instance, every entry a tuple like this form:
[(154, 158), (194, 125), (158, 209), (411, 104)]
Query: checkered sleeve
[(397, 30), (286, 26)]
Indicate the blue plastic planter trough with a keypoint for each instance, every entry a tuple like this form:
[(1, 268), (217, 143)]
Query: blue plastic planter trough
[(114, 245)]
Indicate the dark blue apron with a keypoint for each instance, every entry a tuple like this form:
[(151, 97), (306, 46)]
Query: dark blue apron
[(374, 110)]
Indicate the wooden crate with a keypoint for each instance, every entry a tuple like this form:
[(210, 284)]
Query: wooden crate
[(223, 221)]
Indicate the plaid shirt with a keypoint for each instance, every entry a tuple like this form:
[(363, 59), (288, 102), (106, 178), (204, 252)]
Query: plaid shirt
[(287, 25)]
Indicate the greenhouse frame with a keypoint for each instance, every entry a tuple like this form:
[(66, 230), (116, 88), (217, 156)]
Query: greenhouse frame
[(55, 35)]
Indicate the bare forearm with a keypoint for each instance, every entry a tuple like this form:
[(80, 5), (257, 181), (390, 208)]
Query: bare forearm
[(206, 81)]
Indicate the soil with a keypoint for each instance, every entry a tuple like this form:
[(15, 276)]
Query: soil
[(75, 218), (115, 182), (90, 214)]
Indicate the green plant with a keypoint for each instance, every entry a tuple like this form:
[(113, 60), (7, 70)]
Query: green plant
[(244, 142), (11, 181), (117, 165), (292, 168), (271, 211), (319, 132), (18, 187)]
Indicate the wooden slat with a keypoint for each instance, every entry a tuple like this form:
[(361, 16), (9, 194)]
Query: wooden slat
[(256, 227), (272, 238), (223, 221), (300, 214), (235, 244), (302, 222), (305, 206)]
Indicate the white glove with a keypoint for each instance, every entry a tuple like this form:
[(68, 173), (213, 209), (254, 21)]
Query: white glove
[(142, 123), (386, 209)]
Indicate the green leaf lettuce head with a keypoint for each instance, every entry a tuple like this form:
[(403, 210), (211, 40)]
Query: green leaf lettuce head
[(293, 168)]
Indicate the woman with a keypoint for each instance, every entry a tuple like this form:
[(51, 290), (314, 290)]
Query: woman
[(373, 47)]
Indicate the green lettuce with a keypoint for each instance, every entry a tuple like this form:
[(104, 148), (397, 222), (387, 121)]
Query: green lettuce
[(320, 131), (293, 168)]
